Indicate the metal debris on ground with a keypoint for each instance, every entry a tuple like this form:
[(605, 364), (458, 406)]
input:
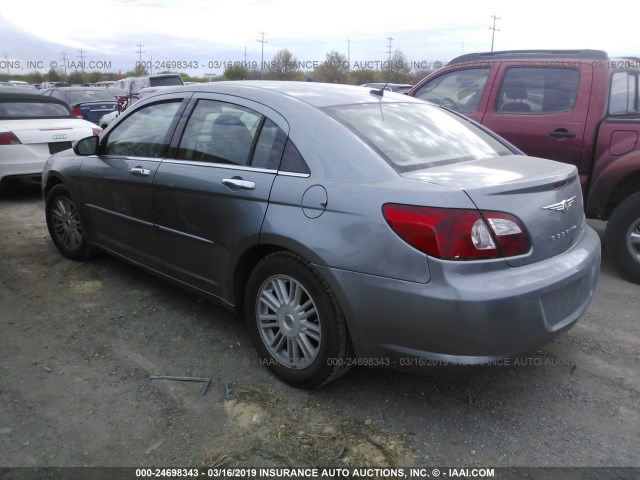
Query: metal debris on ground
[(228, 391), (205, 380)]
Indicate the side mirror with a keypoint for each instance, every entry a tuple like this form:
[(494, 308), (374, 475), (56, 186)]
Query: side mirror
[(86, 146)]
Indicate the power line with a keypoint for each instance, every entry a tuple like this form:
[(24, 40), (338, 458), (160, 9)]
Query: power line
[(494, 29)]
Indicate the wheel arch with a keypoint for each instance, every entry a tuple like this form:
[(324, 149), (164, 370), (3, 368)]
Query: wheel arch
[(617, 182)]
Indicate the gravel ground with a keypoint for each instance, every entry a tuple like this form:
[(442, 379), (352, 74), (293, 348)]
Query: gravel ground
[(78, 340)]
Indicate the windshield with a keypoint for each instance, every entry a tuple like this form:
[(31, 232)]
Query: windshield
[(415, 136)]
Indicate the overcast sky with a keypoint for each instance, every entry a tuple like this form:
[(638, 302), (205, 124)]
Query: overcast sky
[(216, 31)]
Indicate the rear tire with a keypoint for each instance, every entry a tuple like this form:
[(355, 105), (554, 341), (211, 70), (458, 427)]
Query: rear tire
[(295, 322), (65, 225), (622, 237)]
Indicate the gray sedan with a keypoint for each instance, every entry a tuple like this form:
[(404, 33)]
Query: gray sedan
[(347, 226)]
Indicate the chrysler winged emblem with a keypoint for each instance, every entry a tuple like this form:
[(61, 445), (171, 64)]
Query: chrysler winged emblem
[(562, 206)]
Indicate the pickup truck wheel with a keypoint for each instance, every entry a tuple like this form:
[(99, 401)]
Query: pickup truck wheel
[(295, 321), (622, 237)]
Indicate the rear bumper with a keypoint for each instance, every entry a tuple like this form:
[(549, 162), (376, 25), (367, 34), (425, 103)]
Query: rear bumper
[(469, 313), (22, 160)]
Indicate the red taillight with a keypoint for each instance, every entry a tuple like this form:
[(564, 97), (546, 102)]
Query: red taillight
[(77, 112), (457, 234), (9, 138)]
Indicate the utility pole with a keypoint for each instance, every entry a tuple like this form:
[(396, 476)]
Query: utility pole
[(348, 57), (81, 57), (389, 50), (245, 57), (64, 62), (140, 52), (493, 28), (262, 41), (6, 59)]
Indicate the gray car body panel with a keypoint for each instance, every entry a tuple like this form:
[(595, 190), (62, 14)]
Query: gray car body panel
[(397, 300)]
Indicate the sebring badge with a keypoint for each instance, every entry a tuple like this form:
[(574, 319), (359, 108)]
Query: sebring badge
[(562, 206)]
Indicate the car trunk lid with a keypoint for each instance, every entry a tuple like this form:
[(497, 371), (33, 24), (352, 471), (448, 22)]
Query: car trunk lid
[(93, 111), (543, 194)]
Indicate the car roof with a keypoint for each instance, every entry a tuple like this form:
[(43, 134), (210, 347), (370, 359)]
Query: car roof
[(84, 89), (316, 94), (515, 54)]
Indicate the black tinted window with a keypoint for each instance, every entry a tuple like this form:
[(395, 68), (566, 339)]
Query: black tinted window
[(538, 90), (144, 133), (269, 148), (164, 81), (292, 160), (219, 132)]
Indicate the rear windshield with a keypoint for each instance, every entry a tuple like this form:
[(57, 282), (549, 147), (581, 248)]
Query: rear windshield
[(415, 136), (24, 109), (165, 81), (81, 96)]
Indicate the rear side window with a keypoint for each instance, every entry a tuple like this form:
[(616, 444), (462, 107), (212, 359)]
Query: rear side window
[(624, 93), (460, 90), (26, 109), (219, 132), (269, 147), (144, 133), (527, 90), (292, 160)]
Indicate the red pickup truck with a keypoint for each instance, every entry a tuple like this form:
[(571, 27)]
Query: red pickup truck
[(574, 106)]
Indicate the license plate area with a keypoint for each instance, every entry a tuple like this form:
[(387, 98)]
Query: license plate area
[(560, 305), (55, 147)]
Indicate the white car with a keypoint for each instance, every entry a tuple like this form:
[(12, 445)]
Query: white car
[(32, 128)]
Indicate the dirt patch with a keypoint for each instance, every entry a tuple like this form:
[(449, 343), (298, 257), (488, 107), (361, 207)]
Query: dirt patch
[(263, 426)]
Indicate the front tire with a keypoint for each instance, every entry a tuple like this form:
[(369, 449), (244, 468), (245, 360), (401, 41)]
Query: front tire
[(622, 237), (65, 225), (295, 322)]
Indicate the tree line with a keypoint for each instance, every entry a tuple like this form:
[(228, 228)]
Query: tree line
[(282, 66)]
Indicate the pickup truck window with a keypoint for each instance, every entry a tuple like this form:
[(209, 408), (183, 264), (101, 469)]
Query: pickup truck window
[(527, 90), (460, 90), (624, 93)]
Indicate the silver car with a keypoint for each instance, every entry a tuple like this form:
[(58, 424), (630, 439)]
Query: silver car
[(347, 226)]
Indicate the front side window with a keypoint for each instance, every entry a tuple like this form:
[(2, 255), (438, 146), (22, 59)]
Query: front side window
[(530, 90), (415, 136), (623, 98), (219, 132), (144, 133), (460, 90)]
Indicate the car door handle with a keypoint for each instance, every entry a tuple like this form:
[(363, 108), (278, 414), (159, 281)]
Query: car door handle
[(237, 182), (562, 133), (139, 172)]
